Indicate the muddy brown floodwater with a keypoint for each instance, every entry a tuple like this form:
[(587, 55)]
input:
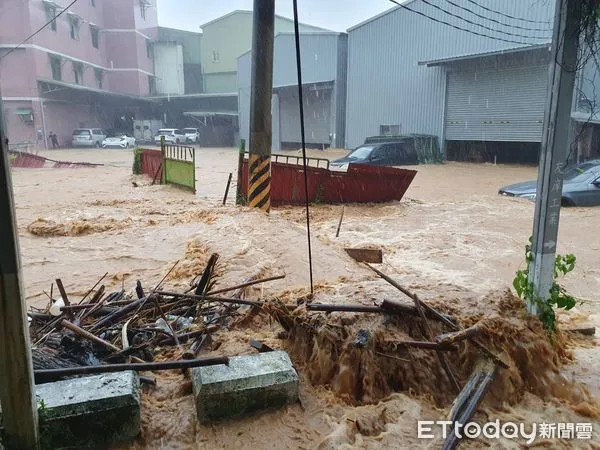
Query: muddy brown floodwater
[(452, 240)]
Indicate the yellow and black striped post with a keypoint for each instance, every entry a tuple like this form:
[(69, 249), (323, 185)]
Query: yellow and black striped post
[(259, 182), (261, 91)]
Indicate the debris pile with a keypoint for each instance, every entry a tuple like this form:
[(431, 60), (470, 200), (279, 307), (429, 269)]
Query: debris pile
[(362, 352), (114, 331)]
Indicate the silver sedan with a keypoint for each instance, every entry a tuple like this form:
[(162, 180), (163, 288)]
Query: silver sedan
[(581, 186)]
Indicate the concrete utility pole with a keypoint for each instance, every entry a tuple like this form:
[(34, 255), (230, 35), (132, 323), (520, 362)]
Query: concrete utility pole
[(17, 387), (259, 161), (555, 143)]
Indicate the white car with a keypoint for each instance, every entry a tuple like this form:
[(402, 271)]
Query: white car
[(192, 135), (120, 141), (171, 135)]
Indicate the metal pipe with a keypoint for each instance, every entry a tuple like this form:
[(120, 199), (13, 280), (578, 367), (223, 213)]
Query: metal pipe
[(46, 375)]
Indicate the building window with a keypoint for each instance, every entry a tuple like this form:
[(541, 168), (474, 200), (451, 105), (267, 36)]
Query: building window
[(78, 72), (151, 85), (149, 48), (389, 130), (56, 67), (74, 24), (95, 35), (99, 77), (50, 15), (215, 56), (144, 4)]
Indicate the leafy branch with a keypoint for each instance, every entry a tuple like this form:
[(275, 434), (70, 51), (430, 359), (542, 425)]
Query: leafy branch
[(558, 296)]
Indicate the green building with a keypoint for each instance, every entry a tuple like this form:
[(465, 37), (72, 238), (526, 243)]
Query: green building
[(225, 39)]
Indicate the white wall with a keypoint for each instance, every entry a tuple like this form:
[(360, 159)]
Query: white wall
[(169, 68)]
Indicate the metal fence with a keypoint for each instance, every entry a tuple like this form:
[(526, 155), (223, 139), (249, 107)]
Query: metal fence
[(179, 166), (297, 160)]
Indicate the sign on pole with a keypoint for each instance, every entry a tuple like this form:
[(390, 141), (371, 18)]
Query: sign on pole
[(555, 143)]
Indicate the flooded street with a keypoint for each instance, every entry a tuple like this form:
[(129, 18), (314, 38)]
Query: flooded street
[(451, 239), (451, 227)]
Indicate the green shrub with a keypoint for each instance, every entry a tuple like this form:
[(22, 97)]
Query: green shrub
[(137, 161)]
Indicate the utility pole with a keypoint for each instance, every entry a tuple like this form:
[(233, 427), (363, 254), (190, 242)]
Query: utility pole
[(555, 142), (17, 387), (259, 161)]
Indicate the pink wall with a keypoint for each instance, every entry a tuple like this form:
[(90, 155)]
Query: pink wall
[(17, 74), (148, 25), (60, 40), (117, 14), (144, 62), (63, 118), (118, 50), (14, 21), (18, 131), (20, 71), (121, 49)]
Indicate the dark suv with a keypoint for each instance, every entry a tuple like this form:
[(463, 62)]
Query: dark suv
[(400, 153)]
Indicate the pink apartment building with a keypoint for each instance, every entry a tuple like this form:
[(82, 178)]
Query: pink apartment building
[(91, 67)]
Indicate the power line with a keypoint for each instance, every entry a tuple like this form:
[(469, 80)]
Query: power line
[(497, 21), (508, 15), (302, 134), (476, 33), (40, 30), (507, 33)]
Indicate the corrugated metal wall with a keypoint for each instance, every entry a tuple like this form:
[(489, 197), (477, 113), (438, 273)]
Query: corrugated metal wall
[(192, 67), (497, 105), (386, 85), (319, 64), (317, 115), (168, 68)]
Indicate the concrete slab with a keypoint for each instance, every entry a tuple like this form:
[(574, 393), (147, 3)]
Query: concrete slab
[(90, 412), (250, 383)]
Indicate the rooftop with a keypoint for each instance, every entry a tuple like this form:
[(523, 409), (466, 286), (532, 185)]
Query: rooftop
[(243, 11)]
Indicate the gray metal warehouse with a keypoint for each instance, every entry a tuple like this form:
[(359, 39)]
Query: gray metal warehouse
[(483, 96), (324, 66)]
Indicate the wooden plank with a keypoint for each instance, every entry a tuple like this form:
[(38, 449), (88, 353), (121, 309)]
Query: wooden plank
[(585, 331), (17, 389), (369, 255)]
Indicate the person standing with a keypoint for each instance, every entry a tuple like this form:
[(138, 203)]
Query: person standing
[(54, 140)]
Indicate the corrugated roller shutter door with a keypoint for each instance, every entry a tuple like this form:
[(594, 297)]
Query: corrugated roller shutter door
[(498, 105)]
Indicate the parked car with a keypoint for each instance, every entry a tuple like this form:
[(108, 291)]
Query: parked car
[(88, 137), (119, 141), (379, 154), (172, 136), (192, 135), (581, 186)]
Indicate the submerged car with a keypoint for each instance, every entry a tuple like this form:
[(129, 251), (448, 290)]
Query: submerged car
[(379, 154), (581, 186), (119, 141)]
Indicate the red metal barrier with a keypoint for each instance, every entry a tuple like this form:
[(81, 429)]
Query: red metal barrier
[(31, 161), (360, 184), (28, 160), (152, 163)]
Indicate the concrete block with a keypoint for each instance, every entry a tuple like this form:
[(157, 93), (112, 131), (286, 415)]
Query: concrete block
[(90, 412), (249, 383)]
